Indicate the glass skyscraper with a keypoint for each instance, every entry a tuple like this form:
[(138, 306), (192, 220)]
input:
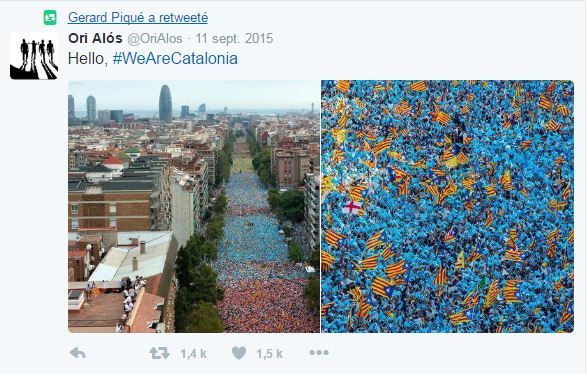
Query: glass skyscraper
[(165, 105), (91, 109)]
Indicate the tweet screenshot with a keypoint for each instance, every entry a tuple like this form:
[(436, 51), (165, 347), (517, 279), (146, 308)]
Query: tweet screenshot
[(294, 186)]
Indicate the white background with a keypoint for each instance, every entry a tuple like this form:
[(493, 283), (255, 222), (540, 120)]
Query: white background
[(314, 40)]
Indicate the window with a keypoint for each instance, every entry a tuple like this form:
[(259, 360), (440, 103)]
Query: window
[(74, 223), (112, 208), (74, 208), (113, 222)]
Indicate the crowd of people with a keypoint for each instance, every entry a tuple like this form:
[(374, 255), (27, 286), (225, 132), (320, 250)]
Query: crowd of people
[(263, 290), (447, 206), (246, 192), (253, 237), (267, 306), (130, 291)]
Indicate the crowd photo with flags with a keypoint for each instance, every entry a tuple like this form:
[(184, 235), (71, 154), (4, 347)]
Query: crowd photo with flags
[(447, 206)]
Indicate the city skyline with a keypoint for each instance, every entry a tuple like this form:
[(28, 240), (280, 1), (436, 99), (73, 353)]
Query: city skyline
[(236, 95)]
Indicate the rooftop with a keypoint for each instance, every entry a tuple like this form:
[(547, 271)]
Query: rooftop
[(103, 310), (118, 262), (146, 313), (112, 161), (115, 185)]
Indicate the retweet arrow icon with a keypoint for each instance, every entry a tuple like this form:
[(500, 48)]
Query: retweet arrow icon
[(154, 354), (165, 354)]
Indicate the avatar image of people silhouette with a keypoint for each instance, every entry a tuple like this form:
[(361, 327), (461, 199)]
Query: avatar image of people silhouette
[(33, 56)]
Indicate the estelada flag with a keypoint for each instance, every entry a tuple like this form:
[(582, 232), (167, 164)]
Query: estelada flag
[(418, 86), (461, 317), (394, 270), (325, 309), (333, 238), (511, 291), (326, 261), (383, 287), (370, 262)]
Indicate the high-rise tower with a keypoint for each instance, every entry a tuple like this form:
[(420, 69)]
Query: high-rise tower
[(70, 108), (165, 105), (91, 109)]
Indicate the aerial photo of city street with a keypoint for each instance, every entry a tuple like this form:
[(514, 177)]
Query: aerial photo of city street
[(193, 207)]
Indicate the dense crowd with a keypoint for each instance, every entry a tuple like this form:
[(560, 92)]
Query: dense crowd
[(263, 289), (267, 306), (246, 192), (447, 206)]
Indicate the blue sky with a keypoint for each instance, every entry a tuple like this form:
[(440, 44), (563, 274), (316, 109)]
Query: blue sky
[(144, 95)]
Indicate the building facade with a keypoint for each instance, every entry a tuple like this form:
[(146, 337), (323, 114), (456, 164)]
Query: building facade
[(312, 209), (138, 200), (184, 111), (117, 116)]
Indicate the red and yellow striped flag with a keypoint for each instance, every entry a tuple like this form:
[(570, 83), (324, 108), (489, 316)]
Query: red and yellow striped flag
[(356, 192), (462, 158), (525, 144), (553, 235), (381, 146), (491, 294), (511, 291), (514, 255), (567, 192), (403, 108), (563, 110), (332, 238), (356, 293), (489, 219), (449, 237), (549, 90), (442, 276), (525, 191), (325, 309), (432, 189), (460, 261), (545, 102), (461, 317), (418, 86), (473, 256), (369, 263), (441, 117), (567, 313), (343, 85), (396, 269), (387, 253), (551, 125), (506, 181), (363, 308), (326, 261), (337, 157), (369, 163), (383, 287)]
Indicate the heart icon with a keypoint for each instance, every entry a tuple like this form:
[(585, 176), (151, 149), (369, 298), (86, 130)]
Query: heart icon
[(238, 352)]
